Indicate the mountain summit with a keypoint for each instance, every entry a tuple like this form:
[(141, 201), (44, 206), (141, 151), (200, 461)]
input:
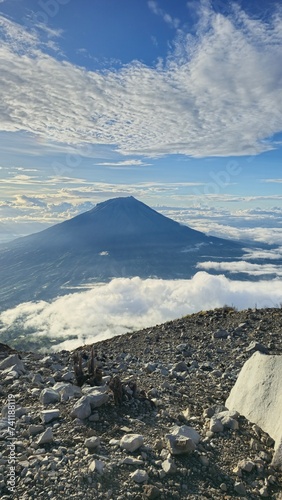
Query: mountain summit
[(121, 237)]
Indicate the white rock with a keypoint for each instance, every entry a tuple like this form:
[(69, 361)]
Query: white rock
[(45, 437), (185, 430), (48, 396), (131, 442), (97, 396), (139, 476), (182, 439), (257, 395), (97, 466), (169, 466), (67, 391), (224, 419), (82, 408), (92, 443), (12, 361), (10, 373), (132, 461), (216, 425), (49, 415)]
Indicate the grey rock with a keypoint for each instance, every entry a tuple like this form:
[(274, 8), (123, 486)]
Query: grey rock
[(97, 466), (48, 396), (35, 429), (12, 361), (131, 442), (68, 376), (256, 346), (139, 476), (169, 466), (246, 465), (67, 391), (220, 334), (49, 415), (37, 379), (92, 443), (97, 396), (132, 461), (45, 437), (240, 489), (82, 408), (182, 440), (216, 425), (181, 366), (150, 367)]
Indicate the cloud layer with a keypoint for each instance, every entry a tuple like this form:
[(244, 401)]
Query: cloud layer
[(130, 304), (218, 93)]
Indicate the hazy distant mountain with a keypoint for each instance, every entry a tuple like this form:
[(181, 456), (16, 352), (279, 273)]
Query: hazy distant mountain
[(121, 237)]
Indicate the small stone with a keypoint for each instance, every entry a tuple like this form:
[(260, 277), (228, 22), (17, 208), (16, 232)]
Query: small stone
[(220, 334), (92, 443), (48, 396), (151, 491), (35, 429), (180, 442), (240, 489), (12, 361), (131, 442), (49, 415), (97, 466), (139, 476), (186, 413), (169, 466), (216, 425), (132, 461), (204, 460), (246, 465), (150, 367), (180, 367), (223, 487), (263, 492), (45, 437), (256, 346), (81, 409), (37, 379)]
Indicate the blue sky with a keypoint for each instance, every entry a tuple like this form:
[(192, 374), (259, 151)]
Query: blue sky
[(177, 103)]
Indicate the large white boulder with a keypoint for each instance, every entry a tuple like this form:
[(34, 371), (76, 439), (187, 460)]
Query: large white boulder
[(257, 395)]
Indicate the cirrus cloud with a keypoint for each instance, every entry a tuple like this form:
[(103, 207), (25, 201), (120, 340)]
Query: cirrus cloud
[(204, 100)]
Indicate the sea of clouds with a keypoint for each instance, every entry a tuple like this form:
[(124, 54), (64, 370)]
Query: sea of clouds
[(128, 304)]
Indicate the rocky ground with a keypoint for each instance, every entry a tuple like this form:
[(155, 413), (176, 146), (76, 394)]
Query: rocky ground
[(174, 439)]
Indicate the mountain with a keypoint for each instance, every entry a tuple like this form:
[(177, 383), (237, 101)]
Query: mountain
[(121, 237)]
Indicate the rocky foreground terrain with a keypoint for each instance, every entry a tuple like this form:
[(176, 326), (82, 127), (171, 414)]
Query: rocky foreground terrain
[(166, 434)]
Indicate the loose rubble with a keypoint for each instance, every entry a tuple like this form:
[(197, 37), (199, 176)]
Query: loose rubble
[(148, 420)]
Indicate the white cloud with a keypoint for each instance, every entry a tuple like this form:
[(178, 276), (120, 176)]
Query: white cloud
[(242, 267), (173, 22), (252, 254), (205, 100), (131, 304), (275, 181), (124, 163)]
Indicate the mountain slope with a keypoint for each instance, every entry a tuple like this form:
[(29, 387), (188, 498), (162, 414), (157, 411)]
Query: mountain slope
[(121, 237)]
